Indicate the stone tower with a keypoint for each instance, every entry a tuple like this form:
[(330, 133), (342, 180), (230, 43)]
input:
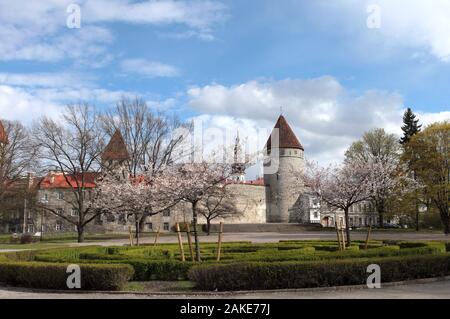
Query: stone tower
[(115, 152), (282, 171), (3, 135)]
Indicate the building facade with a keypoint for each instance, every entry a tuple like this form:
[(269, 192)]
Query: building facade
[(279, 197)]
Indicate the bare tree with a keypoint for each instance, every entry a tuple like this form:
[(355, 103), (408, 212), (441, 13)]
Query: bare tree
[(219, 202), (73, 146), (150, 136), (17, 156)]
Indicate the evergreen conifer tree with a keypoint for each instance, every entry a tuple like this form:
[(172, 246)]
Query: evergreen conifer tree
[(410, 126)]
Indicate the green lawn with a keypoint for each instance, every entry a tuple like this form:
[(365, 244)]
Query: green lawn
[(61, 240)]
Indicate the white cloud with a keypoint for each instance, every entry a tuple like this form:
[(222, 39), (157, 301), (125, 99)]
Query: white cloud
[(62, 79), (420, 26), (149, 68), (199, 15), (36, 30), (18, 104), (27, 96), (326, 117)]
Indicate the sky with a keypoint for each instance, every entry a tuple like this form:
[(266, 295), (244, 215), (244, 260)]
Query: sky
[(335, 69)]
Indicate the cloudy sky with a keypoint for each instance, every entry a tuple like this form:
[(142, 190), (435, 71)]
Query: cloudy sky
[(337, 68)]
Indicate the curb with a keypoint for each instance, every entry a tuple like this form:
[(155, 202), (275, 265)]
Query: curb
[(230, 293)]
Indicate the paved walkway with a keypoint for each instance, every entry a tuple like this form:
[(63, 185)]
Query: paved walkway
[(271, 237), (432, 290), (275, 237)]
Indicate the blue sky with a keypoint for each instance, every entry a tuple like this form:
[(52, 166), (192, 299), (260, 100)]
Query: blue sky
[(232, 64)]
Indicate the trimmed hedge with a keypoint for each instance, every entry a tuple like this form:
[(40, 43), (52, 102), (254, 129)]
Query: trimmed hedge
[(144, 269), (54, 276), (284, 275)]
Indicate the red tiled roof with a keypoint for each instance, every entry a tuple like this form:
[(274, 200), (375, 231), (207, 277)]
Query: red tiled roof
[(3, 136), (259, 182), (287, 136), (57, 180), (116, 148)]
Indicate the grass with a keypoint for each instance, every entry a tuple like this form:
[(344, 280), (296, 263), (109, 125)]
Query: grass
[(67, 238), (32, 246), (159, 286)]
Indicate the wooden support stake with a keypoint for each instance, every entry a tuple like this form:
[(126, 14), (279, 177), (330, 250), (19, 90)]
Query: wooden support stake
[(191, 248), (131, 236), (180, 242), (219, 243), (156, 237), (343, 237), (338, 235), (368, 237)]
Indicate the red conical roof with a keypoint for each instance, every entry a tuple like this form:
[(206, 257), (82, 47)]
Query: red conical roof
[(286, 134), (116, 148), (3, 136)]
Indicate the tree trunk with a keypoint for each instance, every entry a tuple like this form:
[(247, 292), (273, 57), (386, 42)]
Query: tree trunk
[(80, 231), (138, 231), (380, 209), (142, 223), (417, 205), (194, 224), (446, 222), (347, 227), (417, 218), (208, 227)]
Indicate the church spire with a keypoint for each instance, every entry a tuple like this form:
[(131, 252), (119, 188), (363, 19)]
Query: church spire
[(238, 167)]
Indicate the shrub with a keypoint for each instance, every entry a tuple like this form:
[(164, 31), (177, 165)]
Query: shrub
[(282, 275), (144, 269), (25, 255), (412, 244), (112, 250), (27, 239), (54, 276)]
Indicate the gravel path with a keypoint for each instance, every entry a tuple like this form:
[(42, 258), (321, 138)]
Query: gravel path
[(431, 290)]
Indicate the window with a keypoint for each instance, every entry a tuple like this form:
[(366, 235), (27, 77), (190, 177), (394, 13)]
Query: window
[(166, 213), (316, 215), (30, 228), (45, 198), (58, 226), (60, 211), (149, 226), (166, 226), (60, 195), (74, 212)]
